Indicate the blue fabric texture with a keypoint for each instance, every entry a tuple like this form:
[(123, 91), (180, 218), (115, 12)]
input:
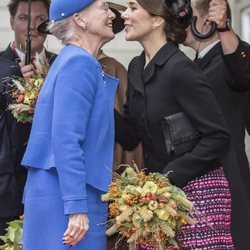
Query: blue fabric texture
[(45, 222), (60, 9), (73, 126)]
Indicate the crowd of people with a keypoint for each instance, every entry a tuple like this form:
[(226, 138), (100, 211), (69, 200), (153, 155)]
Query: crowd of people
[(92, 115)]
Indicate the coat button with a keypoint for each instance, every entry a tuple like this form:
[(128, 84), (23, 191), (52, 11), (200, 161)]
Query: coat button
[(243, 54)]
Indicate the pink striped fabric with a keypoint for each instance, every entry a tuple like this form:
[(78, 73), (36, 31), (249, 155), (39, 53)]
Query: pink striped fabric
[(212, 200)]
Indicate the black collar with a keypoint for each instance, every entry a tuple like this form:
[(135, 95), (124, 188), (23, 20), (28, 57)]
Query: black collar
[(138, 76)]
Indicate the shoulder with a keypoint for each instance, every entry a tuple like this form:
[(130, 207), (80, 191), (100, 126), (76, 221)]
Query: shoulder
[(8, 67), (73, 58), (9, 54), (113, 67), (72, 52), (137, 59), (184, 74), (6, 60), (111, 62), (182, 66), (75, 68)]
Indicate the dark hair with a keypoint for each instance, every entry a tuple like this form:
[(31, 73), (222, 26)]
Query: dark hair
[(13, 5), (203, 6), (174, 31)]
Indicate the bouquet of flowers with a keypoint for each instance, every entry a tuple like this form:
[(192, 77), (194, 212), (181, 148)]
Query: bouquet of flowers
[(146, 209), (13, 237), (24, 91)]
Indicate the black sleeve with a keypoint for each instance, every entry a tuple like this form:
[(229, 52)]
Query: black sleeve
[(197, 101), (125, 131), (238, 66), (247, 115), (8, 69)]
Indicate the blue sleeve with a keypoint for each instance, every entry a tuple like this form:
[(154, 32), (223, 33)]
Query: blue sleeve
[(73, 99)]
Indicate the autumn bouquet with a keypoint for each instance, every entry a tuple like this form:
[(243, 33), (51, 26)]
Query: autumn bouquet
[(146, 209), (24, 91)]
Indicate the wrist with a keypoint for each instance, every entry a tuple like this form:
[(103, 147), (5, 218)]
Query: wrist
[(226, 27)]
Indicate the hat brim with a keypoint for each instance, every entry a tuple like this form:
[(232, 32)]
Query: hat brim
[(43, 27), (118, 22), (117, 6)]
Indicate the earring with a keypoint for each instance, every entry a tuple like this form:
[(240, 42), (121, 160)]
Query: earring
[(153, 27)]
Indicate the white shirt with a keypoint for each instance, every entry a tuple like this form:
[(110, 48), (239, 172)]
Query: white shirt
[(21, 55), (207, 49)]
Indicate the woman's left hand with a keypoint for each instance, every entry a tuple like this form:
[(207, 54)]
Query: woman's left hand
[(77, 227)]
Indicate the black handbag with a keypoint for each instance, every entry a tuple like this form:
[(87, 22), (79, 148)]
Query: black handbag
[(180, 135)]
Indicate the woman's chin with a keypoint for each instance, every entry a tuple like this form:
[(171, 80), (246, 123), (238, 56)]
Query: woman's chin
[(129, 38)]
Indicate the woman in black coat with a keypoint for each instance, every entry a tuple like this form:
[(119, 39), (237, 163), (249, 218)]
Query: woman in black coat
[(163, 82)]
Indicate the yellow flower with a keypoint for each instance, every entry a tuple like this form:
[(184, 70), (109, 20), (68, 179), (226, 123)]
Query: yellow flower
[(149, 186), (162, 214)]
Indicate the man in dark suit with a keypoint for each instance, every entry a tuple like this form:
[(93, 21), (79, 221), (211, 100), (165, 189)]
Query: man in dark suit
[(14, 135), (225, 60), (10, 205)]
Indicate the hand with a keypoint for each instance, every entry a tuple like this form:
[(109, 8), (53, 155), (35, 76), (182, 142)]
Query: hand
[(27, 70), (77, 227), (218, 12)]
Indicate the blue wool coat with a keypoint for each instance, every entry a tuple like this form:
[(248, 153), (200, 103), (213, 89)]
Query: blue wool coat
[(73, 126)]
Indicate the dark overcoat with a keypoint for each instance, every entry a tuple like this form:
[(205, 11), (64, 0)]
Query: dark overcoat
[(10, 198), (16, 134), (229, 76), (169, 84)]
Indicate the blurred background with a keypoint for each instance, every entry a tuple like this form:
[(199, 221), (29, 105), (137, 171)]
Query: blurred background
[(124, 51)]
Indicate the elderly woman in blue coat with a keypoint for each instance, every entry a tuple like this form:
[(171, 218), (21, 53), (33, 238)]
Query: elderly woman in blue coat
[(69, 153)]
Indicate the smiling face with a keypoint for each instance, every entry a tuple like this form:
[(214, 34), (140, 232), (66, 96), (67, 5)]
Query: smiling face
[(138, 22), (19, 24), (99, 19)]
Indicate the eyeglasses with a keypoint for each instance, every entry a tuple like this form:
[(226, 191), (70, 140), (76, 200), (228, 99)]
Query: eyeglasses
[(105, 7)]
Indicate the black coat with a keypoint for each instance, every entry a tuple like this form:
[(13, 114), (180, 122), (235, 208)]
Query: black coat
[(169, 84), (13, 140), (230, 77), (10, 197)]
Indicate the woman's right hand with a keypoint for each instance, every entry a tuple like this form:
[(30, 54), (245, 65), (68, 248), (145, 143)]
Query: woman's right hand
[(77, 227)]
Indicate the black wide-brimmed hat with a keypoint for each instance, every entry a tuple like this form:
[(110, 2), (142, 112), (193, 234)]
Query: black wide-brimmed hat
[(118, 22)]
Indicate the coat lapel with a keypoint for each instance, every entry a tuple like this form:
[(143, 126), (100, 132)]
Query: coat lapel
[(8, 53), (161, 57), (135, 73), (138, 76)]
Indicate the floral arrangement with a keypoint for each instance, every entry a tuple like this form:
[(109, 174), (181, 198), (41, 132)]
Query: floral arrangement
[(13, 237), (146, 209), (24, 91)]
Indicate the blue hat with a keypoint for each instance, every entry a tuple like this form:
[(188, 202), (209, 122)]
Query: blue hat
[(60, 9)]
